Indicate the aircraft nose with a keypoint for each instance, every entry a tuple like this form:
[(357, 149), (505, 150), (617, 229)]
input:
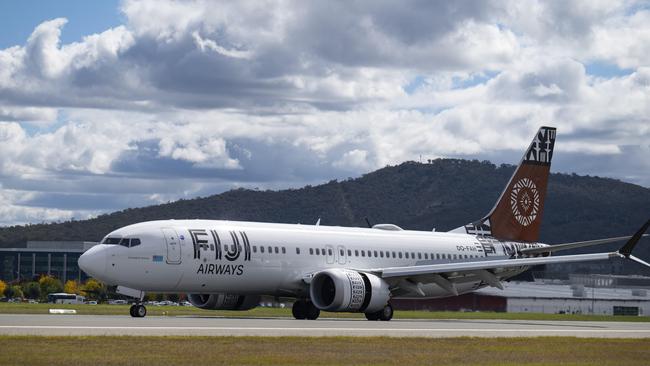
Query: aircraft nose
[(93, 262)]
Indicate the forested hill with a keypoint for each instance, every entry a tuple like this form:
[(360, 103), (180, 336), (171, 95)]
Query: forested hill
[(444, 194)]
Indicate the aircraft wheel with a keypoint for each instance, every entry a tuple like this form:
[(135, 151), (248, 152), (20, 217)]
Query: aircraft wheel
[(140, 311), (299, 309), (312, 311), (132, 311), (372, 316), (386, 313)]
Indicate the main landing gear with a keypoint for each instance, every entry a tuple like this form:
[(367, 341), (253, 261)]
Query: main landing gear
[(384, 314), (303, 309), (138, 310)]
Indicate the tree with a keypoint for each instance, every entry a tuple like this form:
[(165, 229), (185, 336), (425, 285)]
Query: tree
[(50, 285), (3, 287), (13, 291), (94, 289), (32, 290), (71, 287)]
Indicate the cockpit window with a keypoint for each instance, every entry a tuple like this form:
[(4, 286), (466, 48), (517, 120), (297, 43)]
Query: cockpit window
[(125, 242), (110, 240), (135, 242)]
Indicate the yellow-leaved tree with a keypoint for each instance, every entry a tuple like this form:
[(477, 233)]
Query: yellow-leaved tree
[(72, 287), (3, 287)]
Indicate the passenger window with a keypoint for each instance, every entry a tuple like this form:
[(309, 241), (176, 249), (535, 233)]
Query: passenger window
[(376, 256), (284, 250), (406, 255), (254, 249), (349, 253), (270, 250), (324, 252), (329, 251), (381, 253), (297, 250), (363, 253), (426, 255), (341, 252), (277, 251), (356, 253), (311, 251), (135, 242), (412, 255), (394, 256), (419, 255), (400, 255), (261, 249), (317, 251)]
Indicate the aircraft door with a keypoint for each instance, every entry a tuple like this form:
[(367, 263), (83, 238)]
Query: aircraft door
[(329, 254), (173, 246), (342, 255)]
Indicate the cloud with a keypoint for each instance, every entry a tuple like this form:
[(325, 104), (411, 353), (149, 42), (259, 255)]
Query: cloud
[(272, 94)]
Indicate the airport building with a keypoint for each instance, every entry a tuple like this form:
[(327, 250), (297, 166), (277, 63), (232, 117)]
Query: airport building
[(55, 258), (582, 294)]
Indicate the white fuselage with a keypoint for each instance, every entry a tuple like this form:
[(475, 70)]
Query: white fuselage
[(210, 256)]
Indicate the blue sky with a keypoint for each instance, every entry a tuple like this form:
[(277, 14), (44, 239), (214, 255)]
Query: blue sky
[(115, 104), (20, 17)]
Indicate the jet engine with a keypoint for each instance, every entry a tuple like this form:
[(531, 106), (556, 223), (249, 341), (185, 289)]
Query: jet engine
[(223, 301), (345, 290)]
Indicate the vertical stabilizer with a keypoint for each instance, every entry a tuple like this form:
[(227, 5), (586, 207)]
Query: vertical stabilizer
[(517, 215)]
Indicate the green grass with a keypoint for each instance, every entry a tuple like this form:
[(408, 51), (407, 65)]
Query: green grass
[(102, 309), (160, 351)]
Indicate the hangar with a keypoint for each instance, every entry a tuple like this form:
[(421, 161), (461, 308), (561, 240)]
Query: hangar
[(582, 294)]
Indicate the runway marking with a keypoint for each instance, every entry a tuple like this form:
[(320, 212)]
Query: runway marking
[(501, 330)]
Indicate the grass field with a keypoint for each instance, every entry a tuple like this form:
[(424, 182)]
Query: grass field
[(21, 308), (160, 351)]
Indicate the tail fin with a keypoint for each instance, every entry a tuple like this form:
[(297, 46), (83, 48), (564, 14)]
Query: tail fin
[(517, 215)]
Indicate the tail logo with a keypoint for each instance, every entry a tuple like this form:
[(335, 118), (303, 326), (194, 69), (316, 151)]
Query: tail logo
[(524, 200)]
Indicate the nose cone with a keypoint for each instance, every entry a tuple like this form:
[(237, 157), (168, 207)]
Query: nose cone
[(93, 262)]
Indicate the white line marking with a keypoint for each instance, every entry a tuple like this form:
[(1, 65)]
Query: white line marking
[(331, 329)]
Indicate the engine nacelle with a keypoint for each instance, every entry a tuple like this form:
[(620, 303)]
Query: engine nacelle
[(223, 301), (345, 290)]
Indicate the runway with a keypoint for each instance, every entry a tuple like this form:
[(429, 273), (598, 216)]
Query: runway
[(82, 325)]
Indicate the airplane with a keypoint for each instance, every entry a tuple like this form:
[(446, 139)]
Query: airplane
[(229, 265)]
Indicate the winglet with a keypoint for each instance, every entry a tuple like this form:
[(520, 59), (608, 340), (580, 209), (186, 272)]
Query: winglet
[(626, 250)]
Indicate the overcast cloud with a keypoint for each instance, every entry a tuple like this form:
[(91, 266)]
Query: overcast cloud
[(191, 98)]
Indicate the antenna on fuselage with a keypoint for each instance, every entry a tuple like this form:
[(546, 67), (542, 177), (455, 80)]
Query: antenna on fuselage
[(368, 222), (318, 222)]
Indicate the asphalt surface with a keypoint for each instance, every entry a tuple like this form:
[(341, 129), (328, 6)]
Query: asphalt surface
[(68, 325)]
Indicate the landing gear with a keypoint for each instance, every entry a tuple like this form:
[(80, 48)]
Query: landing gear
[(303, 309), (384, 314), (138, 311)]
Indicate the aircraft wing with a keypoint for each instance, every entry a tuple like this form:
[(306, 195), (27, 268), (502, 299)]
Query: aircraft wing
[(574, 245), (447, 275)]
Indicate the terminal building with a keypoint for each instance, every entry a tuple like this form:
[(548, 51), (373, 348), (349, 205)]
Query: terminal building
[(54, 258)]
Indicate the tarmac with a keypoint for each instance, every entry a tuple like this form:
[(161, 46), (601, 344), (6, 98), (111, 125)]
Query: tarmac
[(87, 325)]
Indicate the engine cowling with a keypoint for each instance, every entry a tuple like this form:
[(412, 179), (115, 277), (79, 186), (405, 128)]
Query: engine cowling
[(346, 290), (223, 301)]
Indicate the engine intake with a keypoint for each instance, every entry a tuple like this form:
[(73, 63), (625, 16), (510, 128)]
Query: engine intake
[(223, 301), (345, 290)]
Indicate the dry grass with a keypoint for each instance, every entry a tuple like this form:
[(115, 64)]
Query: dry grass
[(159, 351), (102, 309)]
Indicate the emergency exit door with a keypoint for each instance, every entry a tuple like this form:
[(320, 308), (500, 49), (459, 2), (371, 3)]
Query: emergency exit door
[(173, 246)]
